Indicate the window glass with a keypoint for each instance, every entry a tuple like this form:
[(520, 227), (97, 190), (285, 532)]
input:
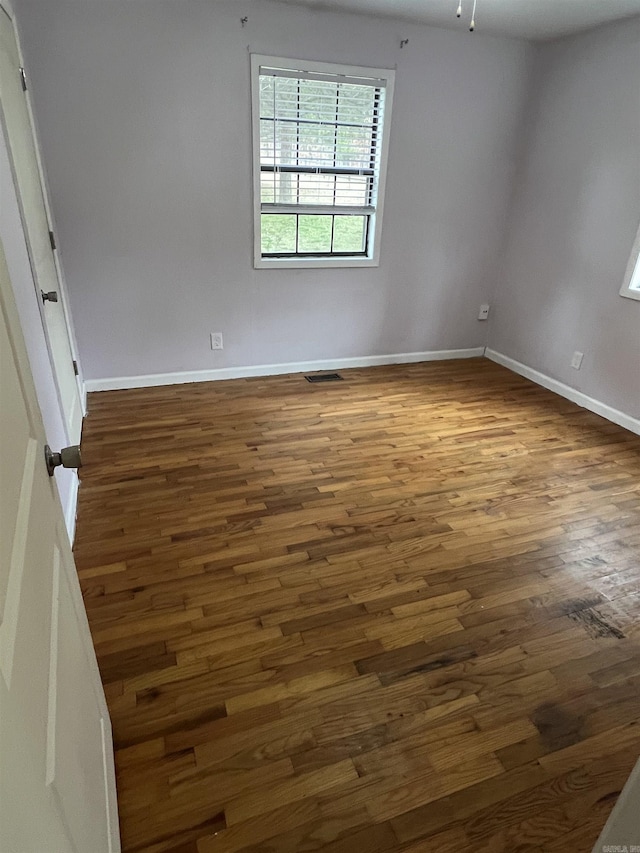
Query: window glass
[(320, 159)]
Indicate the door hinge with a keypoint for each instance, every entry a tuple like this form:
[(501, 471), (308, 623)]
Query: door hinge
[(75, 367), (23, 79), (52, 240)]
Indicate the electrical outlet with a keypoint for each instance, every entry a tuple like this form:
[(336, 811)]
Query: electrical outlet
[(576, 361), (216, 340), (483, 314)]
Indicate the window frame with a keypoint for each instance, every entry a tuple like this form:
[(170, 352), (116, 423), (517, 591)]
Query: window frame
[(631, 282), (372, 257)]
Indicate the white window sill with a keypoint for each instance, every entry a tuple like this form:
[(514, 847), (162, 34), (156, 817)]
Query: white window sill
[(313, 263)]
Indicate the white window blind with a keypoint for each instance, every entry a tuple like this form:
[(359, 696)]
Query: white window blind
[(321, 145)]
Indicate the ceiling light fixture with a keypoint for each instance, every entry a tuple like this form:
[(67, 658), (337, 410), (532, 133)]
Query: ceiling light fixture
[(472, 24)]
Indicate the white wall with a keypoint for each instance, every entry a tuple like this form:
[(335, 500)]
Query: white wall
[(574, 219), (143, 109)]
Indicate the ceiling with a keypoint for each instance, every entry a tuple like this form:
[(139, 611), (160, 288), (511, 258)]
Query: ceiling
[(531, 19)]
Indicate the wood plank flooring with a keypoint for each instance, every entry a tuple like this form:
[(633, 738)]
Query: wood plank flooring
[(394, 613)]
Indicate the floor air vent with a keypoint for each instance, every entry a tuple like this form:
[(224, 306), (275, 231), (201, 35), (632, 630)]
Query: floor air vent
[(324, 377)]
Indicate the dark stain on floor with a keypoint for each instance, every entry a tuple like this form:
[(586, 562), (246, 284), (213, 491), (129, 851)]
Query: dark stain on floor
[(558, 728), (595, 623)]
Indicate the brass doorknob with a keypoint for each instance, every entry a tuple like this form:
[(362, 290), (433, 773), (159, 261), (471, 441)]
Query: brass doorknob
[(69, 457)]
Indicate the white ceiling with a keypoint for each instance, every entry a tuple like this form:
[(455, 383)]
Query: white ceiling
[(532, 19)]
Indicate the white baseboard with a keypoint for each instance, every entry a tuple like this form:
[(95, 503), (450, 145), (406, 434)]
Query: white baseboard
[(71, 508), (608, 412), (620, 832), (152, 379)]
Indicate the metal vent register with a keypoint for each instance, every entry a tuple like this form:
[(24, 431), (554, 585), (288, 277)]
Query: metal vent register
[(324, 377)]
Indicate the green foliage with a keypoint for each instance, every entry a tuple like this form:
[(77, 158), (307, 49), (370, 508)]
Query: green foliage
[(314, 233)]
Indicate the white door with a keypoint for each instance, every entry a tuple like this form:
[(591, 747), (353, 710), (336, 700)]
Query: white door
[(18, 131), (57, 782)]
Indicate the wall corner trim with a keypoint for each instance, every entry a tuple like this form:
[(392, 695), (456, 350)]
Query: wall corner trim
[(149, 380), (602, 409)]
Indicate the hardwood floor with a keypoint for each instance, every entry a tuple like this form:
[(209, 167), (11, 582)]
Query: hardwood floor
[(394, 613)]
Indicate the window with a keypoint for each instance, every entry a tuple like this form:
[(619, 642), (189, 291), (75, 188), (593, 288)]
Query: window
[(631, 284), (320, 138)]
